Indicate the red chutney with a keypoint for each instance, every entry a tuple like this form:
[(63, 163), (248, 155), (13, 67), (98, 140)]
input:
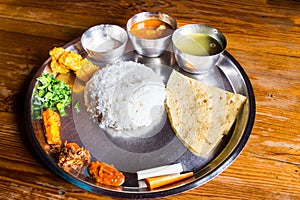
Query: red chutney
[(151, 29)]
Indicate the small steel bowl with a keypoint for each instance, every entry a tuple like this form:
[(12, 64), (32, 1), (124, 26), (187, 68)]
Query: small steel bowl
[(105, 42), (150, 47), (196, 64)]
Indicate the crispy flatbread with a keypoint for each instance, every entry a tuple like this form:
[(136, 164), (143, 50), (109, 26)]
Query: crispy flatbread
[(200, 114)]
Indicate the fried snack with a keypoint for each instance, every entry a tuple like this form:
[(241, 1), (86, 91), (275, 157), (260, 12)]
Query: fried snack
[(56, 52), (55, 65), (63, 61), (70, 155), (51, 120), (87, 70), (106, 174), (71, 60)]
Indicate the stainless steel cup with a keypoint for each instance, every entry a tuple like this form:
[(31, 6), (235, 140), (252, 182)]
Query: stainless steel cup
[(150, 47), (197, 63), (105, 42)]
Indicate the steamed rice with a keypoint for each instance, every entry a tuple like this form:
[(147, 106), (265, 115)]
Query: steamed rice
[(125, 95)]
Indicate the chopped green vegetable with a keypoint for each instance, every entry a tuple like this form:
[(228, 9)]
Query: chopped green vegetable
[(77, 106), (51, 93)]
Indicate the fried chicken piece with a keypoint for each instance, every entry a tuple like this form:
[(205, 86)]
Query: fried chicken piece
[(70, 155), (106, 174), (51, 120)]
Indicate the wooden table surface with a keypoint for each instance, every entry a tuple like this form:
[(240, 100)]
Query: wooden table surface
[(263, 35)]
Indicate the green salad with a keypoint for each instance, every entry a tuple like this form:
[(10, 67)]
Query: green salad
[(50, 93)]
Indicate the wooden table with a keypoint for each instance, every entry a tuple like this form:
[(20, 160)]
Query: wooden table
[(262, 35)]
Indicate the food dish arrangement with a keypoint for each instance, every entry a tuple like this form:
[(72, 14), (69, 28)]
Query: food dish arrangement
[(100, 125)]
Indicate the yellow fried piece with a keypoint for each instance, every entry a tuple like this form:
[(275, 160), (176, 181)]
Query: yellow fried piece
[(51, 121), (58, 68), (56, 52), (65, 61), (71, 60), (87, 70), (55, 65)]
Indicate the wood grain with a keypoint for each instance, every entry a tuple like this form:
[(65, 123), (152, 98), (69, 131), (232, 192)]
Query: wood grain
[(262, 35)]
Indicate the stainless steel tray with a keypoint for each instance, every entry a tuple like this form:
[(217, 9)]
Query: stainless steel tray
[(161, 148)]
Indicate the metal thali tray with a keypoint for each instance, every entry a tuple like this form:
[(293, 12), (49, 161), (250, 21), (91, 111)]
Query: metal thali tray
[(160, 148)]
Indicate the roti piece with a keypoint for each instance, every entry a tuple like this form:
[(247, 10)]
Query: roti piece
[(200, 114)]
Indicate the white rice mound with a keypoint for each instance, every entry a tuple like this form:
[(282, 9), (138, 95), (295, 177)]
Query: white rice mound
[(125, 95)]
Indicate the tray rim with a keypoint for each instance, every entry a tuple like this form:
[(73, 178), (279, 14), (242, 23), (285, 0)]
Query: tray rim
[(145, 194)]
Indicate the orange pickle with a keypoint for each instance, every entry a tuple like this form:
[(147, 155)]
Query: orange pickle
[(106, 174)]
